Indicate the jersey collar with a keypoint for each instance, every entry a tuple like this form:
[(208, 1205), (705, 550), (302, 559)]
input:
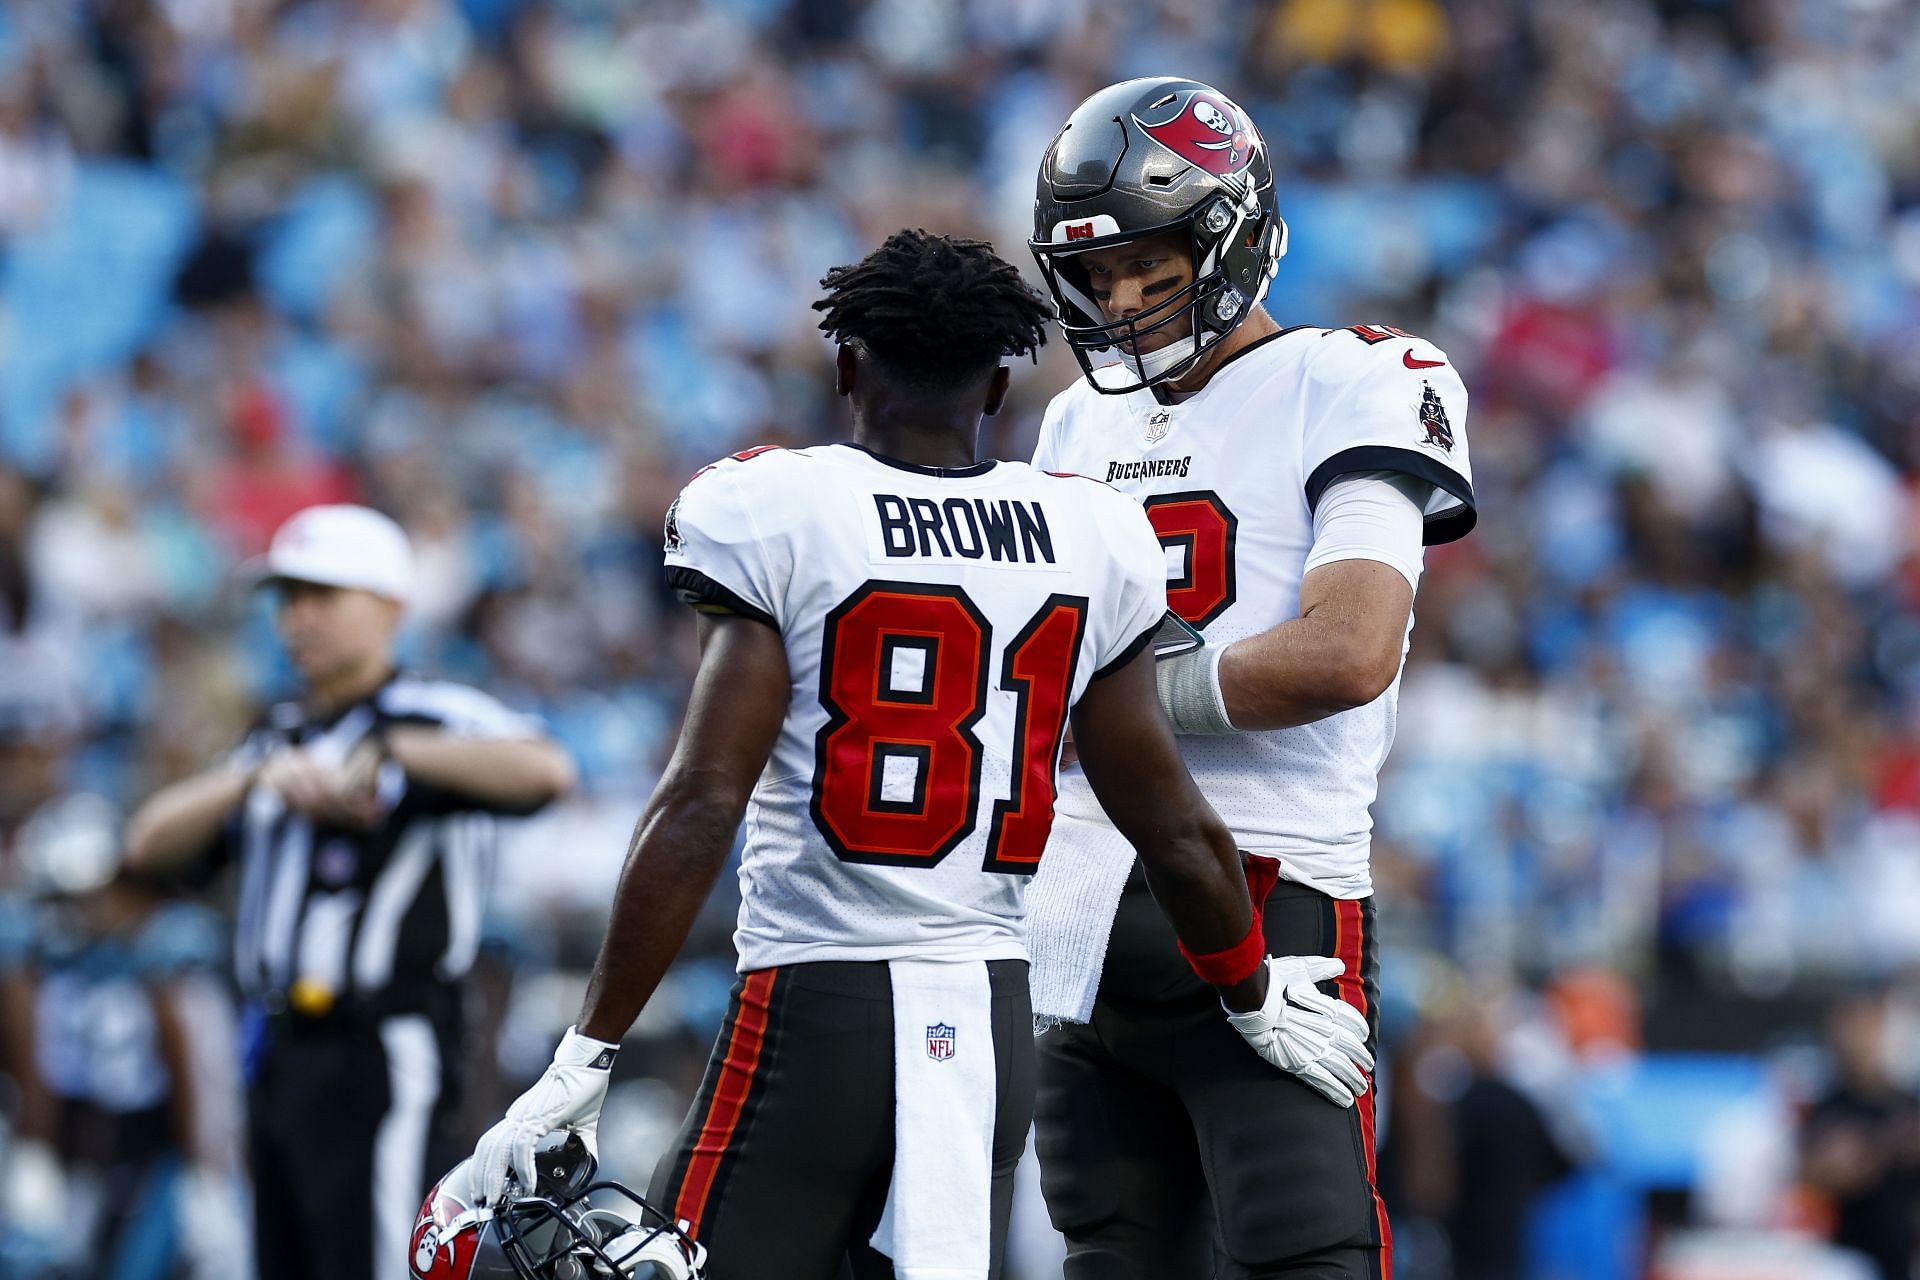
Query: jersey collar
[(944, 473), (1174, 398)]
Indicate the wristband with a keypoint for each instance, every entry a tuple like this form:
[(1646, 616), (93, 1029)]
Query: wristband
[(1190, 692), (1234, 965)]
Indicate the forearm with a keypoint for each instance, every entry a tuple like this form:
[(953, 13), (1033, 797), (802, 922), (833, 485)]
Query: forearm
[(1294, 674), (1194, 873), (679, 847), (1193, 869), (518, 775), (180, 822), (1343, 651)]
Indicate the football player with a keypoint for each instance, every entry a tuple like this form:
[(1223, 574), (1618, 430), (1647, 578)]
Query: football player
[(893, 636), (1293, 476)]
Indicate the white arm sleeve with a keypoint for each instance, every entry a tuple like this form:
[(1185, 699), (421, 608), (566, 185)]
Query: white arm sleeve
[(1372, 515)]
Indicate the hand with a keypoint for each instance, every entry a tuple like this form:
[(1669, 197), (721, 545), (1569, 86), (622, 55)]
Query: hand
[(359, 782), (568, 1096), (1314, 1036), (305, 783)]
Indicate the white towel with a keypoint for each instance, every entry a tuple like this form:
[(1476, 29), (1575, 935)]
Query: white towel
[(1070, 907), (939, 1213)]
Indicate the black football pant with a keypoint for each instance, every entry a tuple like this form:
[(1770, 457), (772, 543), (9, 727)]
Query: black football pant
[(1169, 1150), (783, 1164), (346, 1129)]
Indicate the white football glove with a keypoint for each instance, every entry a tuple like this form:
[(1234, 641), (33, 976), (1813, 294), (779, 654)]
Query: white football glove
[(1314, 1036), (568, 1096)]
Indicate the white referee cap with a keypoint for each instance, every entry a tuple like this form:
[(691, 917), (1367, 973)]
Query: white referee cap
[(340, 545)]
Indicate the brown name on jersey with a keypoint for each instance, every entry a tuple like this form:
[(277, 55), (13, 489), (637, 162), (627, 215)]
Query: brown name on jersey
[(1010, 530)]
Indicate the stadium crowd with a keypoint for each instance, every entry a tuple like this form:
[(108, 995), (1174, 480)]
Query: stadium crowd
[(510, 270)]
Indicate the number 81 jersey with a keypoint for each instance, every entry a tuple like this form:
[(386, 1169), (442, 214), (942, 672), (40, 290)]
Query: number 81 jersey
[(939, 624)]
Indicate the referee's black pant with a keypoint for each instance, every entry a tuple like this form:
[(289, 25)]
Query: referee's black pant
[(347, 1118), (1170, 1151)]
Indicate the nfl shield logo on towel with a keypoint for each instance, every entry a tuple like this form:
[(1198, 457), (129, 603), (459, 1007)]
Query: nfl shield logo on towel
[(939, 1042)]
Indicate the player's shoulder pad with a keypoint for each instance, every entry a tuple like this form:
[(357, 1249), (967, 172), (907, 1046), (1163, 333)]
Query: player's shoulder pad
[(1381, 399), (1364, 351), (1119, 515), (1075, 475), (1375, 384), (762, 480), (1085, 490), (747, 466)]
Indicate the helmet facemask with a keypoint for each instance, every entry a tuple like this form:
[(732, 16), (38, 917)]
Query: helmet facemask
[(1212, 303), (569, 1238)]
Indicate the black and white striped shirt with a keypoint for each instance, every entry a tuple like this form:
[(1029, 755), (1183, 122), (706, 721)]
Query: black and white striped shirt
[(334, 917)]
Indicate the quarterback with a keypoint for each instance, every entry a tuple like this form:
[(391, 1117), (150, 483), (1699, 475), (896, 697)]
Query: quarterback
[(1293, 476), (893, 636)]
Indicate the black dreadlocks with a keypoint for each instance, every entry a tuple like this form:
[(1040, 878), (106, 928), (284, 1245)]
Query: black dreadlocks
[(936, 311)]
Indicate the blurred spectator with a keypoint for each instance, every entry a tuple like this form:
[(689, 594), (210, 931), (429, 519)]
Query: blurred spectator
[(1860, 1146), (1473, 1147), (127, 1161)]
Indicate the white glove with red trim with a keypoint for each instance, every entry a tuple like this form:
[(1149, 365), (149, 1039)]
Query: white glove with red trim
[(568, 1096), (1301, 1030)]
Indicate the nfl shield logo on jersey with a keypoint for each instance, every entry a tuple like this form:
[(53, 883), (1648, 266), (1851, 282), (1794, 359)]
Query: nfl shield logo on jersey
[(1158, 426), (939, 1042)]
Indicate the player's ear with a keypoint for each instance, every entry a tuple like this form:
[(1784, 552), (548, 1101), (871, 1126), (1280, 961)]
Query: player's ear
[(844, 370), (997, 390)]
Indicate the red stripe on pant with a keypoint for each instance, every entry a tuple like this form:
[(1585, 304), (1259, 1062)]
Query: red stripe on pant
[(1350, 945), (730, 1092)]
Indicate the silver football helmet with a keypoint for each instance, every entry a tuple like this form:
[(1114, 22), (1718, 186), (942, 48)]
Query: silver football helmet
[(1144, 158)]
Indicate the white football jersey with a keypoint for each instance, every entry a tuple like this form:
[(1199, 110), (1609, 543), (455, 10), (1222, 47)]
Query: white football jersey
[(1230, 477), (938, 625)]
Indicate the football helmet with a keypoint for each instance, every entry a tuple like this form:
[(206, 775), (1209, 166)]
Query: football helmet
[(1143, 158), (568, 1227)]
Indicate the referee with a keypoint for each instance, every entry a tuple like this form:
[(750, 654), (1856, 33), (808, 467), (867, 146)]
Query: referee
[(362, 820)]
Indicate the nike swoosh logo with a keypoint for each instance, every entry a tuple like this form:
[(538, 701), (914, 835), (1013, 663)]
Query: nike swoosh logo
[(1411, 363)]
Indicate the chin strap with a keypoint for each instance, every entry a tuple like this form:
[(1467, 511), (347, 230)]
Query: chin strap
[(1156, 364)]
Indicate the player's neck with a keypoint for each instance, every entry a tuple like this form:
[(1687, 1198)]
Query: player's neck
[(909, 435), (336, 690), (1253, 329)]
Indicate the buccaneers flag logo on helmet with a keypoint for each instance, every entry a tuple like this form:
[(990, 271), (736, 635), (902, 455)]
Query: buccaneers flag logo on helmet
[(1209, 133)]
